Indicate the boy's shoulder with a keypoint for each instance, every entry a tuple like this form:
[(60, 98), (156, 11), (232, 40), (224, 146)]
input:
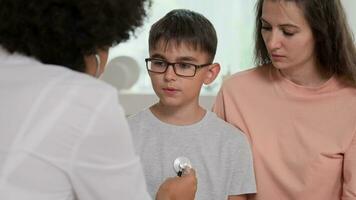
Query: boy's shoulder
[(225, 130), (139, 117)]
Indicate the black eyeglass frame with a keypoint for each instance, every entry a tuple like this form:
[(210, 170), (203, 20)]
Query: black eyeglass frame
[(196, 67)]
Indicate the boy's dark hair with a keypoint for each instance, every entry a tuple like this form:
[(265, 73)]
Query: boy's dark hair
[(334, 45), (181, 25), (61, 32)]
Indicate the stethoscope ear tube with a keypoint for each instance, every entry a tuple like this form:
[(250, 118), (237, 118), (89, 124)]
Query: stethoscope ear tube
[(98, 63)]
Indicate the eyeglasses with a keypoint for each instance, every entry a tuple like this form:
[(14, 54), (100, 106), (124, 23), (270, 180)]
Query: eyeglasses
[(181, 68)]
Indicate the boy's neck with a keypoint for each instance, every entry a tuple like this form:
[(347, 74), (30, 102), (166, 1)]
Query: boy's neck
[(180, 116)]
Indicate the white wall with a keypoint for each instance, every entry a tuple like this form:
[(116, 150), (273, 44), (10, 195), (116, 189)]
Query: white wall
[(350, 6)]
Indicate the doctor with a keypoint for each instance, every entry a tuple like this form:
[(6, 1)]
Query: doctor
[(63, 135)]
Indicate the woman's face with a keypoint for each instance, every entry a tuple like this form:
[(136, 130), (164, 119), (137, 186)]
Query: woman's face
[(287, 35)]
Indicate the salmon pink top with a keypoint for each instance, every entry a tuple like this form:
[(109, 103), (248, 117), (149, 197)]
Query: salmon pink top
[(303, 138)]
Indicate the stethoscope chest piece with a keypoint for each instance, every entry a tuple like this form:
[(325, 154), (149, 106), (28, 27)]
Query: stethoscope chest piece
[(180, 164)]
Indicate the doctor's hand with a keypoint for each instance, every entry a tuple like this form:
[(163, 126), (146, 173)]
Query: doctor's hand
[(179, 188)]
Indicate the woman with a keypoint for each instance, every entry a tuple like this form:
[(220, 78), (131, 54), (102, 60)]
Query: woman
[(298, 107), (63, 134)]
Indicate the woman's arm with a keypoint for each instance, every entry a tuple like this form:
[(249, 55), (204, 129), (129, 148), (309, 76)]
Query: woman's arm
[(349, 184)]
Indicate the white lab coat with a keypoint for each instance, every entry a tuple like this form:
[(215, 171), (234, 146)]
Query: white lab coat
[(63, 136)]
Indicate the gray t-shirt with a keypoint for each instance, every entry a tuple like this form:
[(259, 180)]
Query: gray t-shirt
[(219, 152)]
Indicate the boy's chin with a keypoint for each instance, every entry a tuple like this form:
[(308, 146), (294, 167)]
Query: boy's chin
[(170, 103)]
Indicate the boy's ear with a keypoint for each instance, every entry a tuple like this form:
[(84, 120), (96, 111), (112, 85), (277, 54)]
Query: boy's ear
[(212, 73)]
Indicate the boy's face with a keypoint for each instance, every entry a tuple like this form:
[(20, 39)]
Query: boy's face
[(174, 90)]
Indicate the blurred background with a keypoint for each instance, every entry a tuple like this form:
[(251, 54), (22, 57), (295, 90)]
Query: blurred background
[(234, 24)]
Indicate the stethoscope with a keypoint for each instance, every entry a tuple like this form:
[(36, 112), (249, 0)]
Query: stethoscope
[(180, 164), (98, 62)]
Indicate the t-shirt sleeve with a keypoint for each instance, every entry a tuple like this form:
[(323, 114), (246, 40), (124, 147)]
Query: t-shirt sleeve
[(104, 164), (243, 177), (349, 185)]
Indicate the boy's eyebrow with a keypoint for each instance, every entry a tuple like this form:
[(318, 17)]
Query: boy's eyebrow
[(282, 25), (179, 59), (186, 58), (157, 55)]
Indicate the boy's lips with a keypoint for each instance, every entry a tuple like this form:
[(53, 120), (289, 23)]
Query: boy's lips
[(170, 90)]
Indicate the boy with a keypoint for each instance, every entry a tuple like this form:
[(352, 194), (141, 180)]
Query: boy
[(182, 47)]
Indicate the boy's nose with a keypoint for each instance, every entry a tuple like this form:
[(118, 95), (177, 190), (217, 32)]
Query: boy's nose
[(170, 74)]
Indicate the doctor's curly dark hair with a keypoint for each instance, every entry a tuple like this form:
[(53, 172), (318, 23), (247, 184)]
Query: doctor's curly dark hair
[(61, 32)]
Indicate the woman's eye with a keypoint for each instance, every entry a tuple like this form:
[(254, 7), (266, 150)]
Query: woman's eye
[(266, 28), (287, 33)]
